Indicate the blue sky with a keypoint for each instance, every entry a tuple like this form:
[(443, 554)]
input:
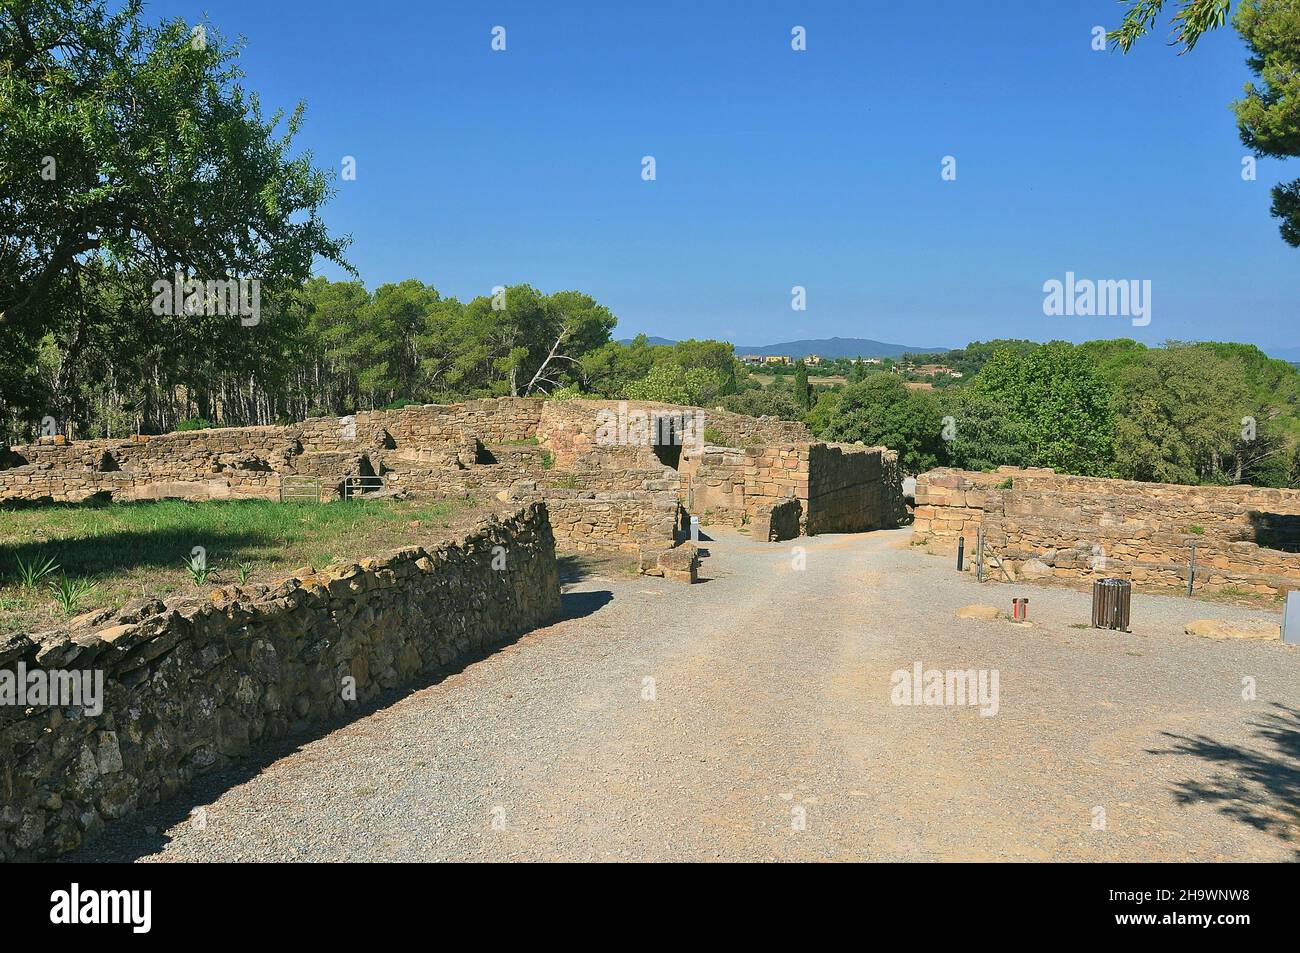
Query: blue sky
[(778, 168)]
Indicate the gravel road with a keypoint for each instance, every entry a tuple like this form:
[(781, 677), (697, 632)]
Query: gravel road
[(768, 733)]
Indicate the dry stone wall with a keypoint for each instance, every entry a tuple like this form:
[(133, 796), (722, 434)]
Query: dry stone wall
[(1246, 539), (191, 686)]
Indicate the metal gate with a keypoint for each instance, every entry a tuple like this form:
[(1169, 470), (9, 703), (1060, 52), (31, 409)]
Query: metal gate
[(358, 484), (300, 489)]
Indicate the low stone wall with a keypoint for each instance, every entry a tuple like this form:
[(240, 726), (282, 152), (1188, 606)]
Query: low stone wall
[(1039, 523), (780, 522), (190, 686)]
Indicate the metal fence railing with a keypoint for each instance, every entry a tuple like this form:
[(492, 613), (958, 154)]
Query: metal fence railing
[(359, 484), (300, 488)]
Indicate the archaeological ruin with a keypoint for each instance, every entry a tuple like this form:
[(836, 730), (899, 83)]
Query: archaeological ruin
[(192, 684), (615, 475), (1037, 524)]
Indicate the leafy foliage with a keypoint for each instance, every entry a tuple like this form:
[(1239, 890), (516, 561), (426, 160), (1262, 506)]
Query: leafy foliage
[(1061, 405), (1268, 117), (881, 410)]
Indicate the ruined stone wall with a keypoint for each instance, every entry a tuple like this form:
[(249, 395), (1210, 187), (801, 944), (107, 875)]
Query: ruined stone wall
[(500, 420), (713, 485), (835, 488), (570, 427), (191, 685), (1045, 524), (852, 489), (628, 510), (950, 503), (602, 455)]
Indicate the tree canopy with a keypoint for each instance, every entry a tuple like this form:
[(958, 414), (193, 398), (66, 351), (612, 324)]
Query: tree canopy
[(1268, 116)]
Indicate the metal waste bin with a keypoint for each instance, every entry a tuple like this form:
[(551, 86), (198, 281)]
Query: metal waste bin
[(1110, 603)]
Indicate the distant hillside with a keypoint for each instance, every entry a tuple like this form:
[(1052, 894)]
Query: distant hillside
[(826, 347), (658, 342)]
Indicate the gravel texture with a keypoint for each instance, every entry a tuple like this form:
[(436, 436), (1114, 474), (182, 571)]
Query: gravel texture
[(772, 735)]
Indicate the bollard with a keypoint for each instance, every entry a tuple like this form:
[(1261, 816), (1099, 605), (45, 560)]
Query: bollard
[(695, 529), (1020, 609), (1191, 571), (961, 551)]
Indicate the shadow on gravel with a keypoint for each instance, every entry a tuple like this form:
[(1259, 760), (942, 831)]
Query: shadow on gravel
[(1259, 786), (144, 832), (578, 605)]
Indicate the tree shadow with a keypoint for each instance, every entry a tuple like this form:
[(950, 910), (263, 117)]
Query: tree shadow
[(1258, 786), (112, 553)]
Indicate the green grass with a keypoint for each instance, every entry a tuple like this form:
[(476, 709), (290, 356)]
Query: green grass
[(99, 554)]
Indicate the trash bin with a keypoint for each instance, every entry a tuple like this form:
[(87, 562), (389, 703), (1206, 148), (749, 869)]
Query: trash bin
[(1111, 599)]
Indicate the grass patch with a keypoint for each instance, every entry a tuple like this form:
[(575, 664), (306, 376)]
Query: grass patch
[(60, 559), (525, 442)]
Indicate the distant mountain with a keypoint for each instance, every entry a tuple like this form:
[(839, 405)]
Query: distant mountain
[(827, 347), (650, 340)]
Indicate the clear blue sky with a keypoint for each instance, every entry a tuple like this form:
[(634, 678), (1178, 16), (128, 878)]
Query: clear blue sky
[(777, 168)]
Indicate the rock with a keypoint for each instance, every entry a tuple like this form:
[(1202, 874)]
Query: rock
[(113, 633), (1035, 569), (108, 756), (981, 612), (681, 563), (1227, 629)]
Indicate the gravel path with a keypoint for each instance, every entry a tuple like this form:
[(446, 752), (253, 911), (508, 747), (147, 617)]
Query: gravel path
[(771, 733)]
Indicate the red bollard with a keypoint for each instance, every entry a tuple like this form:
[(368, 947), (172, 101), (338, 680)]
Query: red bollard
[(1020, 609)]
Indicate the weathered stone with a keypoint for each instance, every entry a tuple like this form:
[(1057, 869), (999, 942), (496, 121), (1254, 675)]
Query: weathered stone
[(981, 612), (1226, 629), (1034, 569)]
